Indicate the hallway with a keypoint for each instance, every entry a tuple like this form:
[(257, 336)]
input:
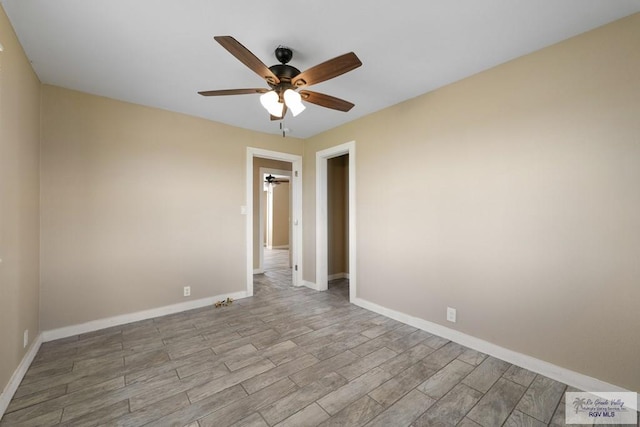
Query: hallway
[(277, 275)]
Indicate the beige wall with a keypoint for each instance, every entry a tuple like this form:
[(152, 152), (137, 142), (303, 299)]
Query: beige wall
[(281, 208), (137, 203), (257, 190), (338, 214), (515, 198), (19, 201)]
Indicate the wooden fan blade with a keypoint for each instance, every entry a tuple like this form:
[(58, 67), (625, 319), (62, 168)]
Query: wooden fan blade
[(232, 92), (327, 70), (327, 101), (245, 56)]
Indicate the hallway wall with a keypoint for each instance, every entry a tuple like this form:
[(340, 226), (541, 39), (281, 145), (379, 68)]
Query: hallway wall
[(281, 209)]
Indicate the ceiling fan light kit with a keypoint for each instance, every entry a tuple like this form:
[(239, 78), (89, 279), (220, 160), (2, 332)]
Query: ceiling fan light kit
[(284, 80), (294, 101), (271, 102)]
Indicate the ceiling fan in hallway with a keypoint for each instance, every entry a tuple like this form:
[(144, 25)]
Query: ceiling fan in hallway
[(274, 180), (285, 81)]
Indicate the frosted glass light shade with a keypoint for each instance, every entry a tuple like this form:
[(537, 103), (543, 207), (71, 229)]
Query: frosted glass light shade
[(293, 101), (270, 101)]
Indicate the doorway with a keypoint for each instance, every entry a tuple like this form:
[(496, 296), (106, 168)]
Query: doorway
[(338, 225), (275, 212), (252, 211), (275, 228), (323, 217)]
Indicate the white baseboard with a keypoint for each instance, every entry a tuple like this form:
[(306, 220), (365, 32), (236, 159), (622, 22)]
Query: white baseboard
[(338, 276), (310, 285), (258, 271), (572, 378), (18, 374), (94, 325), (280, 247)]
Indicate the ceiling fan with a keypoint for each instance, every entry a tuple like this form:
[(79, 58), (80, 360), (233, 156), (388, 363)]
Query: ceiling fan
[(273, 180), (285, 80)]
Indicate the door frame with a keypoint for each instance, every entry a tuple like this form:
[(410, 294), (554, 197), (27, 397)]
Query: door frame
[(322, 245), (296, 212)]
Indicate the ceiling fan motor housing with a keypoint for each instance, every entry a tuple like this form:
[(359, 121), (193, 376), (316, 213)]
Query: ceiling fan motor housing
[(284, 72), (283, 54)]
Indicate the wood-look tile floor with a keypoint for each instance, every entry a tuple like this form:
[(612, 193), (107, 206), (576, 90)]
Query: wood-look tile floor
[(286, 357)]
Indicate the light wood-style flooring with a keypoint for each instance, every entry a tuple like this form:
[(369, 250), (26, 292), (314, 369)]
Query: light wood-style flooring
[(286, 357)]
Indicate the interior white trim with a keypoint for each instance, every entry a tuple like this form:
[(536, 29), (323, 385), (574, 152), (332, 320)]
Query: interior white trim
[(311, 285), (261, 213), (296, 215), (95, 325), (18, 374), (322, 263), (567, 376), (280, 247), (338, 276), (258, 271)]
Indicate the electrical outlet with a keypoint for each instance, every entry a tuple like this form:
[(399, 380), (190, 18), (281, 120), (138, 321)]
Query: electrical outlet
[(25, 338), (187, 291), (451, 314)]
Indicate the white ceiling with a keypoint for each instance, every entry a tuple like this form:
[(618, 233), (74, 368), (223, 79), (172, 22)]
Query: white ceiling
[(160, 53)]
